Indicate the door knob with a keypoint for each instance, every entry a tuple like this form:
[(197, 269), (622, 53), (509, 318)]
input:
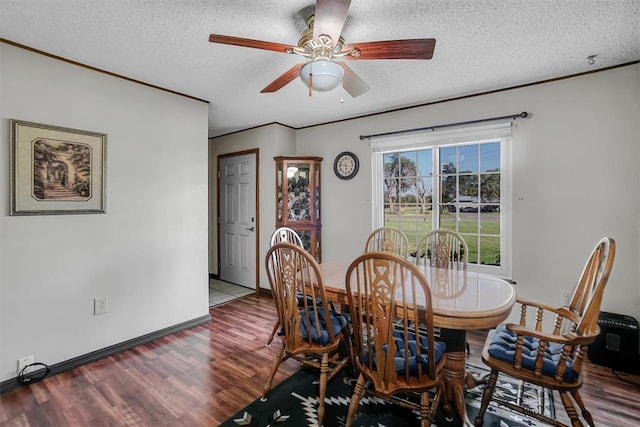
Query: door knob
[(250, 228)]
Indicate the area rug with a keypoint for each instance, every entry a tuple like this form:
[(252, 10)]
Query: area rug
[(294, 403)]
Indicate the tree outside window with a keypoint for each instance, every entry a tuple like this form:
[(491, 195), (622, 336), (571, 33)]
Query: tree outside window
[(466, 199)]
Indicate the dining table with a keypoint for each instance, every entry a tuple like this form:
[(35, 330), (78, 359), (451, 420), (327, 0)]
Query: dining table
[(462, 300)]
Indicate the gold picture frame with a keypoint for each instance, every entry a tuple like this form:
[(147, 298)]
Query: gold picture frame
[(56, 170)]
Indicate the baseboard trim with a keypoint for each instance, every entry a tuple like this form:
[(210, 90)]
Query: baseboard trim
[(264, 291), (67, 365)]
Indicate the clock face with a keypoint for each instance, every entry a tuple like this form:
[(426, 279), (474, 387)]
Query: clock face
[(346, 165)]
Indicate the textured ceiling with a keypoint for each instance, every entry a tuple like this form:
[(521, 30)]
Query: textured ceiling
[(482, 45)]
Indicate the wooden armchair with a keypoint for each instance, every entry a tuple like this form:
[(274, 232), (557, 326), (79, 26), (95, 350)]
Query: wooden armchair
[(388, 239), (311, 331), (395, 357), (442, 249), (549, 345)]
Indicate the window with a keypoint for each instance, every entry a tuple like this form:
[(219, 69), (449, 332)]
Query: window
[(456, 180)]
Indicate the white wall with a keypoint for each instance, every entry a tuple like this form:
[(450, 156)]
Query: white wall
[(575, 178), (147, 255), (272, 140)]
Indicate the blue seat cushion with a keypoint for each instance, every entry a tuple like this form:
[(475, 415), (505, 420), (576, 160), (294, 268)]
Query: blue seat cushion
[(300, 297), (503, 347), (338, 321), (414, 358)]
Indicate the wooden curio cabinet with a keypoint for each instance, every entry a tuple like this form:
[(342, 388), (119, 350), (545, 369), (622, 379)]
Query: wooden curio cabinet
[(298, 199)]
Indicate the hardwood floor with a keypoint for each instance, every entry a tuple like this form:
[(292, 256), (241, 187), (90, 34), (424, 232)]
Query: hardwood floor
[(203, 375)]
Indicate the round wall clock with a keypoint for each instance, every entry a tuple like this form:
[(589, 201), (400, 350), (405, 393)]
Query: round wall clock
[(346, 165)]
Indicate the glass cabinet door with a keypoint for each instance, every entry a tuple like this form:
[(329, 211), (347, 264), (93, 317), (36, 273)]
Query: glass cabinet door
[(317, 198), (299, 196), (278, 192)]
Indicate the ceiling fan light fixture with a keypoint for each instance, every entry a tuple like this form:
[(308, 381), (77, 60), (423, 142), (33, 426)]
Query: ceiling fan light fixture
[(327, 75)]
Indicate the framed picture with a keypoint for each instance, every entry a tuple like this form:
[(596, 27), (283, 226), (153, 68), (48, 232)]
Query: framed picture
[(56, 170)]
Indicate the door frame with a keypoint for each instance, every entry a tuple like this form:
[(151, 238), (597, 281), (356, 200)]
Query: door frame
[(255, 151)]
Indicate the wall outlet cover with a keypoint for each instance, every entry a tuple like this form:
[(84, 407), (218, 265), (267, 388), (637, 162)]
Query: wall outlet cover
[(25, 361), (99, 306)]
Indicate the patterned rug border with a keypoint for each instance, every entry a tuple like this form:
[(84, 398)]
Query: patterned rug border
[(295, 400)]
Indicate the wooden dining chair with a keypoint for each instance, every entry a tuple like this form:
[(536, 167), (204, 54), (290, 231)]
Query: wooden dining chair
[(312, 332), (388, 239), (286, 234), (283, 234), (550, 351), (442, 249), (395, 357)]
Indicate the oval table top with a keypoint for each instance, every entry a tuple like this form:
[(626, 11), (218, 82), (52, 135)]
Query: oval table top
[(461, 299)]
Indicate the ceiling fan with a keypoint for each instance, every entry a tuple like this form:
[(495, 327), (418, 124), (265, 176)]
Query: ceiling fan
[(322, 43)]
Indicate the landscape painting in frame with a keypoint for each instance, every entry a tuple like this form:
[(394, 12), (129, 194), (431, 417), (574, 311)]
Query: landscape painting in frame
[(56, 170)]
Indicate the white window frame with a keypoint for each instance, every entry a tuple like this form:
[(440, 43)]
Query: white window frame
[(432, 139)]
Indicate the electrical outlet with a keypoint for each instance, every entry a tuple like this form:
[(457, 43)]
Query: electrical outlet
[(566, 298), (99, 306), (25, 361)]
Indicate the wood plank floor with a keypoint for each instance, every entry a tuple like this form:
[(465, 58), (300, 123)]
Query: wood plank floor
[(203, 375)]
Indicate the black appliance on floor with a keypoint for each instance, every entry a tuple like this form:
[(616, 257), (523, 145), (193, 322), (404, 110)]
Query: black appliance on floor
[(618, 345)]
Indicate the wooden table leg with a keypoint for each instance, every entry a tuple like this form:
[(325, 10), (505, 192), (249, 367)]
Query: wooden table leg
[(454, 373)]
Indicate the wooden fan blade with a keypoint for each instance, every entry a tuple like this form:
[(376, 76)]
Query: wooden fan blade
[(329, 18), (396, 49), (257, 44), (352, 83), (284, 79)]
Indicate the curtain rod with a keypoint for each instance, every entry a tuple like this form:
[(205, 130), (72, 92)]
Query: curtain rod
[(522, 115)]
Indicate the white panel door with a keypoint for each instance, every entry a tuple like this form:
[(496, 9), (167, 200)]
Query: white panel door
[(237, 212)]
